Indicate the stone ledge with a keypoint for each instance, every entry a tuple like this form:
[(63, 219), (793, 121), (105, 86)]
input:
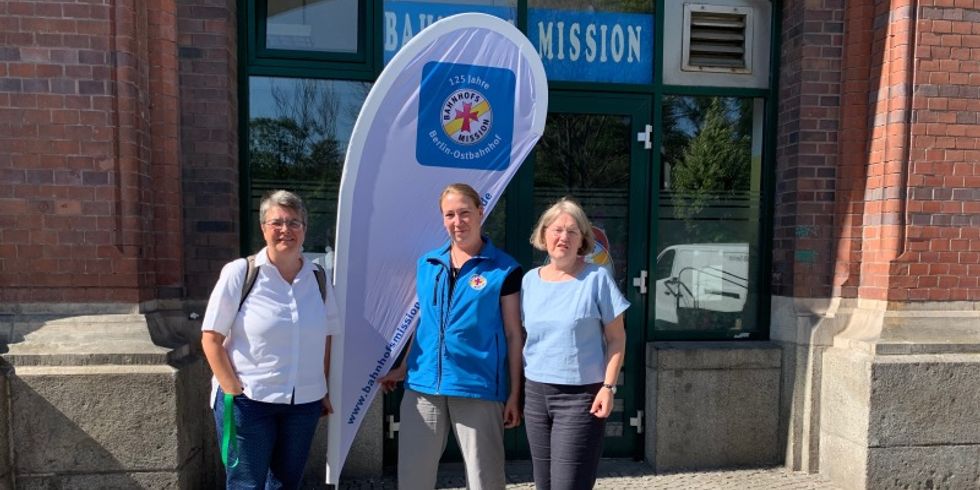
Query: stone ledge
[(149, 480), (891, 328), (714, 355), (878, 327), (949, 467), (94, 419), (81, 340), (900, 421), (71, 309), (808, 321), (712, 404), (6, 470)]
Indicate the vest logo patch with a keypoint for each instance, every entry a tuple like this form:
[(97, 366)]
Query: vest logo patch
[(478, 282)]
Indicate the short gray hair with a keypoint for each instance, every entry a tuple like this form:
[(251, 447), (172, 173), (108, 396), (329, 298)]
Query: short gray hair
[(568, 206), (283, 199)]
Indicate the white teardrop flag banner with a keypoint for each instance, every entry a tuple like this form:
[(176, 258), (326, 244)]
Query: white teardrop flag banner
[(464, 101)]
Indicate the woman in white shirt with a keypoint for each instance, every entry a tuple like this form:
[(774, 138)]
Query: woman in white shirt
[(576, 340), (269, 350)]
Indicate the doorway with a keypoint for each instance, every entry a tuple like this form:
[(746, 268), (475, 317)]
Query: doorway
[(590, 151)]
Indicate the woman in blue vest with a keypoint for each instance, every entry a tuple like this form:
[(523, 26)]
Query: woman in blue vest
[(463, 369), (573, 315)]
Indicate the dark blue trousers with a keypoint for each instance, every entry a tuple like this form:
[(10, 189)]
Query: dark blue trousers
[(273, 442)]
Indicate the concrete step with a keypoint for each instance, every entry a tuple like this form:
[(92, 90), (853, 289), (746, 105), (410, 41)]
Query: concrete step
[(46, 340)]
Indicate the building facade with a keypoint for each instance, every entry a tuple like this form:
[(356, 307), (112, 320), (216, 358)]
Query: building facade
[(788, 192)]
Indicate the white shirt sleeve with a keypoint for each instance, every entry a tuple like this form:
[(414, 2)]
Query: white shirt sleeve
[(223, 304)]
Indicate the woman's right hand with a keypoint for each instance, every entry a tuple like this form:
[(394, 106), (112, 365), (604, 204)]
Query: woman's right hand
[(390, 380), (214, 351), (233, 390)]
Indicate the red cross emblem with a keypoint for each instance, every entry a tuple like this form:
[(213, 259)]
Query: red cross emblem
[(467, 115)]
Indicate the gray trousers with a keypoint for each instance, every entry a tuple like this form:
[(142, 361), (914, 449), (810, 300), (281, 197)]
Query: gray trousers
[(424, 430), (565, 439)]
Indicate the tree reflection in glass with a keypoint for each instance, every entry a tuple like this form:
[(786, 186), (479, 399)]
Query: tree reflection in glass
[(587, 157), (297, 139), (708, 215)]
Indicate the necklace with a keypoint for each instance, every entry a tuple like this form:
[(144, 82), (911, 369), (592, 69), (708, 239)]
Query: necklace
[(453, 269), (455, 261)]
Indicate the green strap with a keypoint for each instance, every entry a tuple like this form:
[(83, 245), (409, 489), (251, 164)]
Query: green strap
[(229, 438)]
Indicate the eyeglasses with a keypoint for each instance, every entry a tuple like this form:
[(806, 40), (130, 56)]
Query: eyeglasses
[(293, 224), (557, 231)]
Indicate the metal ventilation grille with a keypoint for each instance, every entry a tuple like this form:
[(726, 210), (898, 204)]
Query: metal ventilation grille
[(717, 39)]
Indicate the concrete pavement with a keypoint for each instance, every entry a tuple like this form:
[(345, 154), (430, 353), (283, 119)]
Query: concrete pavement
[(626, 474)]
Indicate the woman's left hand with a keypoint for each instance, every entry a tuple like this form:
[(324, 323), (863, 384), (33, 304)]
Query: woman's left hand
[(327, 407), (603, 404), (512, 414)]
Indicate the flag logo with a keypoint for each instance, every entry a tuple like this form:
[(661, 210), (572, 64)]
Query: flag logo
[(467, 117)]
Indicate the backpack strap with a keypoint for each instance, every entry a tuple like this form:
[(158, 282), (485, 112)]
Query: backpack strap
[(251, 273), (321, 280)]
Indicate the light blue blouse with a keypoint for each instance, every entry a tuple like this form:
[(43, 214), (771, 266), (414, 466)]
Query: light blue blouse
[(564, 323)]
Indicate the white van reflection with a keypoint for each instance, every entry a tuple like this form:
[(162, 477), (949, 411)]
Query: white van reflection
[(702, 285)]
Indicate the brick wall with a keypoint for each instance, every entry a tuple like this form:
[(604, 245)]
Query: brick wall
[(78, 197), (807, 147), (938, 244), (891, 65), (209, 138), (118, 130), (910, 206), (892, 199), (856, 82), (165, 238)]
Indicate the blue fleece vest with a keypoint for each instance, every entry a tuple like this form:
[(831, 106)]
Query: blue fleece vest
[(460, 348)]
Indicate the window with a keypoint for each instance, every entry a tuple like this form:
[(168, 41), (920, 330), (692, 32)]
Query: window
[(298, 130), (708, 252), (312, 25)]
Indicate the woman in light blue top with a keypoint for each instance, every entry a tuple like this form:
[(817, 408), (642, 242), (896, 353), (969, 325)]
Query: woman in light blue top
[(576, 340)]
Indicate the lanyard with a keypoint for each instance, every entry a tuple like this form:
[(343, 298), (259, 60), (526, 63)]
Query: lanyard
[(229, 438)]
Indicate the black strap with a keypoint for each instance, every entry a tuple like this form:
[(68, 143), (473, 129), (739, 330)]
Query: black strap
[(252, 272), (321, 280)]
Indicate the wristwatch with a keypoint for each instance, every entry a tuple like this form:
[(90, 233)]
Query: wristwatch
[(611, 388)]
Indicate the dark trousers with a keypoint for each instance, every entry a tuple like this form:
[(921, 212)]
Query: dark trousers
[(273, 442), (565, 439)]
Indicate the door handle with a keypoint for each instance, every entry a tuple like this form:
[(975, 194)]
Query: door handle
[(646, 137), (640, 282)]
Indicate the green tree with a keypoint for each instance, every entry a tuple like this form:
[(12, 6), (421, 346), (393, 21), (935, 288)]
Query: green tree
[(717, 159), (583, 151), (298, 145), (709, 150)]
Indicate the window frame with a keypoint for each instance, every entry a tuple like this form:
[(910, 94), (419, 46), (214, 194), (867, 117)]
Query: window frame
[(256, 54), (254, 59)]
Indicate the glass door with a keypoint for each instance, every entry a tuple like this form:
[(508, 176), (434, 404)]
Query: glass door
[(590, 152)]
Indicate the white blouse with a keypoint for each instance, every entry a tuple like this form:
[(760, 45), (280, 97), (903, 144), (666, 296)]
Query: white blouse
[(276, 342)]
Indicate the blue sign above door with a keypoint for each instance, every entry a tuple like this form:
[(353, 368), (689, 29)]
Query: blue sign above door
[(610, 47), (575, 46), (403, 20)]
